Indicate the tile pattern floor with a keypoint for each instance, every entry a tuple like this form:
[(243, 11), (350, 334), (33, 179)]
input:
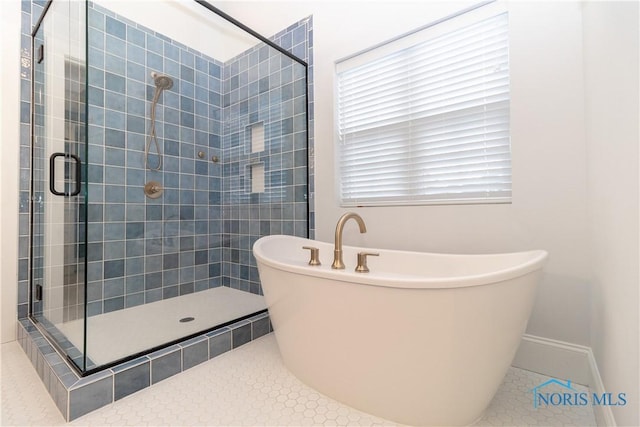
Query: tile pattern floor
[(247, 386)]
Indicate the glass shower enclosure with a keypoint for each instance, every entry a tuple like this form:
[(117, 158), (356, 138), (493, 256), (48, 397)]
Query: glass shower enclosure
[(166, 139)]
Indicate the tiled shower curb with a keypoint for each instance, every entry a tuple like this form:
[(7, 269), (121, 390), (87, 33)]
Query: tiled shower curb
[(76, 396)]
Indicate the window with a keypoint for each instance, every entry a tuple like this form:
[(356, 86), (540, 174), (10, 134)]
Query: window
[(425, 118)]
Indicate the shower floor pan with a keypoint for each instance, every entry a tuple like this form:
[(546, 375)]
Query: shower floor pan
[(119, 334)]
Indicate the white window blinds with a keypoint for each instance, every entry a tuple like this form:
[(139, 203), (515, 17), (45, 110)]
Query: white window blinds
[(427, 123)]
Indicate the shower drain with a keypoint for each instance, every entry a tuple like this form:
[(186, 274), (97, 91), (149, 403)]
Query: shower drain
[(187, 319)]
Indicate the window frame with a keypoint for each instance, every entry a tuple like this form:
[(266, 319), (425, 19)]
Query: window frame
[(458, 20)]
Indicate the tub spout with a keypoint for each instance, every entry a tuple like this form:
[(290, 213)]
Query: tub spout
[(337, 251)]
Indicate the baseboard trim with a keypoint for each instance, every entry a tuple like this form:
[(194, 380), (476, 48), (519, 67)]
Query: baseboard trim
[(554, 358), (566, 361), (604, 414)]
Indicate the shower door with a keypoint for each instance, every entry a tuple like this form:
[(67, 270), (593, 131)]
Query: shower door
[(59, 199), (190, 104)]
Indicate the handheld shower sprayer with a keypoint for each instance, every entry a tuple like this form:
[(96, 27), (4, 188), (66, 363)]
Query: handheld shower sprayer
[(161, 82)]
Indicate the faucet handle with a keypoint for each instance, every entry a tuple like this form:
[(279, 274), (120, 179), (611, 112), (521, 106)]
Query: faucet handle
[(362, 261), (315, 255)]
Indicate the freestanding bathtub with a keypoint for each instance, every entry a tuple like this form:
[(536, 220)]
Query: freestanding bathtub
[(422, 339)]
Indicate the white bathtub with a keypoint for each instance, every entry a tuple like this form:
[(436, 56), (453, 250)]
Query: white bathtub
[(422, 339)]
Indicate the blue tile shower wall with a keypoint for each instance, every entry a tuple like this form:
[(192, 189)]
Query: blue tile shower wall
[(141, 250), (31, 11), (263, 87)]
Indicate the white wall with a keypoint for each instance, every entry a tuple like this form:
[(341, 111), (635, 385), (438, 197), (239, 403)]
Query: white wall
[(10, 141), (612, 93), (549, 157), (188, 23)]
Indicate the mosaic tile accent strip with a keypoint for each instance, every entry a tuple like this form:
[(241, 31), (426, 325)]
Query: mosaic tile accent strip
[(76, 396)]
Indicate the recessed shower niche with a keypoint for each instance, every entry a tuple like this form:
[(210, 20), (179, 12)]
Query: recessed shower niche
[(140, 211)]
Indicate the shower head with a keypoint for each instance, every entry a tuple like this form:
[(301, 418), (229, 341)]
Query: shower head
[(161, 81)]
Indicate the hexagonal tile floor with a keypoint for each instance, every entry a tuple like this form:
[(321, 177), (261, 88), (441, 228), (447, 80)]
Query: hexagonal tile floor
[(248, 386)]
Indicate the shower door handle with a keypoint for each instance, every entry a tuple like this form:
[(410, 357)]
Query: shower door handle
[(52, 174)]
